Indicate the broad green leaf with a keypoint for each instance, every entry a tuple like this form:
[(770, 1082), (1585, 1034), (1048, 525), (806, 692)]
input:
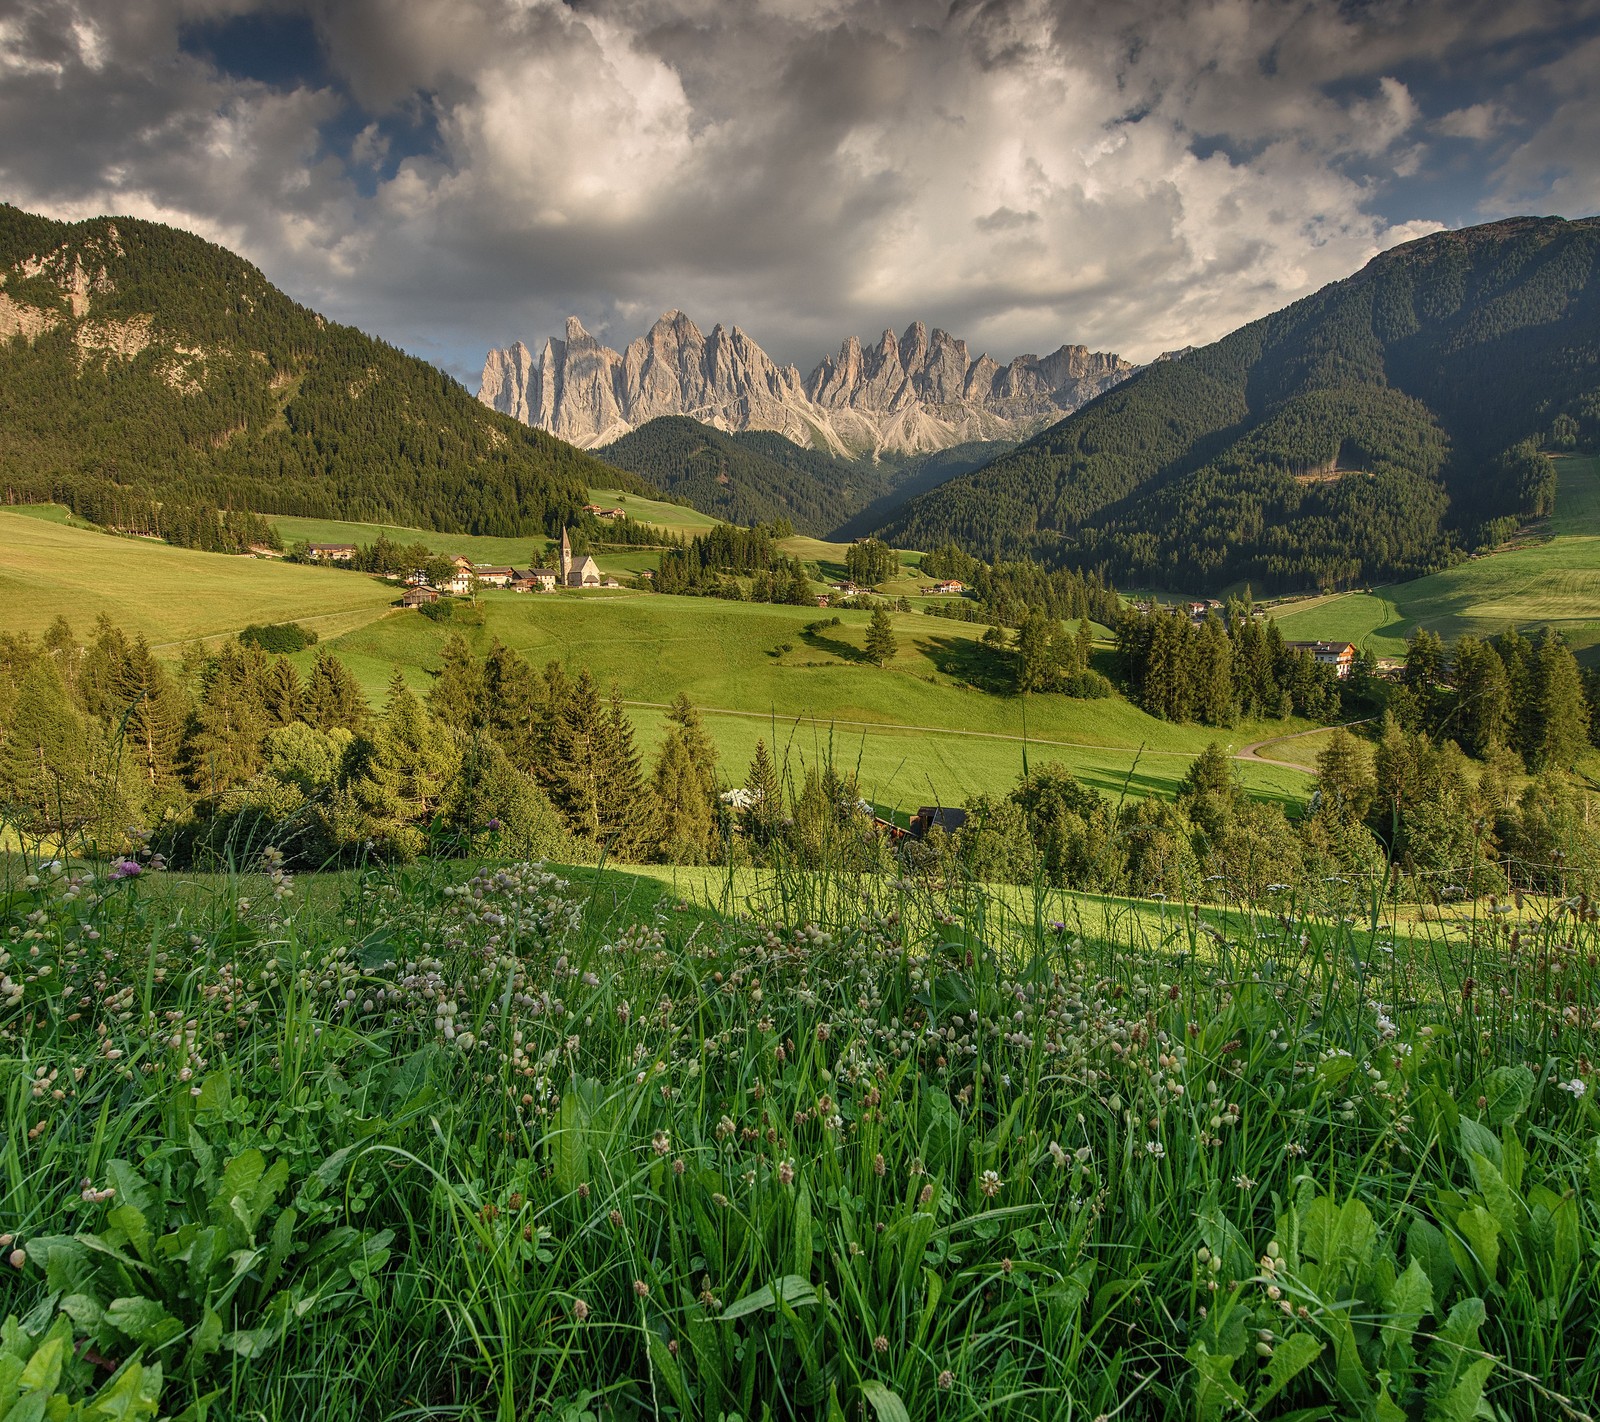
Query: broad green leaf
[(43, 1370), (1407, 1301), (1214, 1387), (1457, 1368), (1426, 1245), (144, 1321), (240, 1177), (885, 1402), (1509, 1090), (1289, 1359), (569, 1151), (1481, 1139), (796, 1292), (29, 1408), (1507, 1210), (1482, 1234)]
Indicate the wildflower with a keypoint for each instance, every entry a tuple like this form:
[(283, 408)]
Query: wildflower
[(880, 1344), (989, 1184), (661, 1143), (1057, 1154), (879, 1165), (1244, 1182), (786, 1172), (641, 1288), (18, 1258), (946, 1380), (616, 1219), (580, 1311), (925, 1197), (1155, 1149), (1576, 1086)]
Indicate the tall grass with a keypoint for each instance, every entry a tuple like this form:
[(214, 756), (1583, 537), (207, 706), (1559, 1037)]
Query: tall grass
[(523, 1142)]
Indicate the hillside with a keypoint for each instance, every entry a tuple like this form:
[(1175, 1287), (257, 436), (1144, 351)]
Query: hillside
[(140, 364), (1364, 433), (756, 476)]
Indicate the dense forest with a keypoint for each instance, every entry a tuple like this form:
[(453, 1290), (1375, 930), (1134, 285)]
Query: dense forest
[(1374, 430), (140, 365), (750, 478)]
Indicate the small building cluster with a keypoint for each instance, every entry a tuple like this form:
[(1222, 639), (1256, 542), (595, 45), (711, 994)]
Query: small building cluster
[(332, 552), (949, 587), (571, 572)]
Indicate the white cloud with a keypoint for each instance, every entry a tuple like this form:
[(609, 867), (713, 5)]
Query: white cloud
[(1023, 173)]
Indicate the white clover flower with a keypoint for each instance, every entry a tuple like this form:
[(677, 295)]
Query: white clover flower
[(1577, 1086)]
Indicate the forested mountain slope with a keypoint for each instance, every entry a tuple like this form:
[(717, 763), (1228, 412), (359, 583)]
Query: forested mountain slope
[(1372, 430), (142, 366)]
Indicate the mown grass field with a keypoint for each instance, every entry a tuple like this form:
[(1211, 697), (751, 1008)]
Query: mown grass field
[(1554, 583), (914, 729), (168, 595)]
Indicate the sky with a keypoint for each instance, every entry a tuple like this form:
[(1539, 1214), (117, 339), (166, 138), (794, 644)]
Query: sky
[(1131, 175)]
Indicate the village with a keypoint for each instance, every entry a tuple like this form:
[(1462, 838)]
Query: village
[(467, 577)]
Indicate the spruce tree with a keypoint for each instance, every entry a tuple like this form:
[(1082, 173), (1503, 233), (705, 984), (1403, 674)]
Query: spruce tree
[(685, 784), (155, 719), (282, 694), (1483, 698), (457, 697), (332, 697), (573, 763), (222, 748), (1345, 787), (628, 818), (1562, 710), (44, 757), (881, 643), (763, 811), (1210, 791), (511, 695), (407, 774)]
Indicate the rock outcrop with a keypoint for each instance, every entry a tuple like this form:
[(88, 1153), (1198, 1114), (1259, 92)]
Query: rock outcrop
[(918, 393)]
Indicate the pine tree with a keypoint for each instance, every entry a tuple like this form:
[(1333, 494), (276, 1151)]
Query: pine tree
[(1210, 791), (155, 719), (332, 697), (1562, 709), (1345, 787), (44, 757), (1083, 646), (685, 784), (283, 695), (629, 823), (763, 811), (1212, 679), (574, 765), (511, 696), (222, 748), (881, 644), (407, 774), (102, 663), (457, 697), (1483, 698)]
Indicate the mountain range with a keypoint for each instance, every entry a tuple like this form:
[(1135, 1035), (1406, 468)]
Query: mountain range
[(914, 394), (1380, 428)]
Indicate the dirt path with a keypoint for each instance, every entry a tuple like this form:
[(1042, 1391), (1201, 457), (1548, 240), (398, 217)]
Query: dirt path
[(1253, 750)]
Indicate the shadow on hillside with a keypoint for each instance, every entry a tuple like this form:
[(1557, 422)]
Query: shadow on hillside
[(970, 661), (843, 650)]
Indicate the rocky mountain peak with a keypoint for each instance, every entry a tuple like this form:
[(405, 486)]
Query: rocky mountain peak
[(913, 393)]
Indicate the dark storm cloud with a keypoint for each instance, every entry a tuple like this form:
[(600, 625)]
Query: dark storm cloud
[(1137, 175)]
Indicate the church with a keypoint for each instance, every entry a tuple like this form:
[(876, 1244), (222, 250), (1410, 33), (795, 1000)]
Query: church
[(583, 572)]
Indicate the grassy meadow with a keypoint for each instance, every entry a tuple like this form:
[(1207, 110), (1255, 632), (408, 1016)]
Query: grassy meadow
[(510, 1142), (1552, 582), (167, 595), (917, 732)]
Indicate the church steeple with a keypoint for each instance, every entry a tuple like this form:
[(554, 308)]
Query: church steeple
[(566, 557)]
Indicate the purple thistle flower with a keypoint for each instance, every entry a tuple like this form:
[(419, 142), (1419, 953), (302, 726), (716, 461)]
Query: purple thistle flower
[(126, 869)]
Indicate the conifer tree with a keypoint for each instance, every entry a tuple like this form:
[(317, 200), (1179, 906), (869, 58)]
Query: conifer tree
[(628, 819), (1212, 675), (157, 711), (1345, 788), (1561, 710), (407, 774), (764, 793), (1210, 791), (222, 747), (457, 697), (282, 693), (99, 668), (881, 643), (685, 784), (332, 697), (511, 696), (1479, 719), (44, 757), (1083, 646)]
